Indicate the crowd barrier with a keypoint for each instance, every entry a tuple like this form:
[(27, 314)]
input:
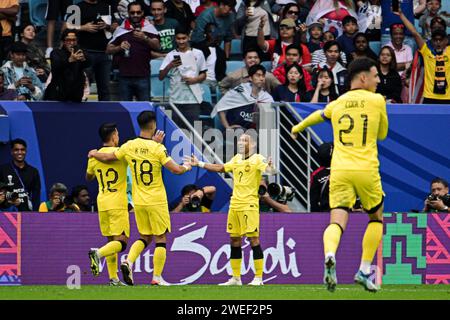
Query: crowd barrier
[(52, 248)]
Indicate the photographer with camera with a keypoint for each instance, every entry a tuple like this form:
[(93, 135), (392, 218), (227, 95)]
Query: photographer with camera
[(439, 199), (274, 197), (59, 201), (8, 200), (319, 191), (196, 199)]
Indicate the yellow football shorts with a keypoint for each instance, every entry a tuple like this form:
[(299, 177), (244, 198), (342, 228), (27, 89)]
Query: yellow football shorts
[(346, 185), (243, 222), (152, 220), (114, 222)]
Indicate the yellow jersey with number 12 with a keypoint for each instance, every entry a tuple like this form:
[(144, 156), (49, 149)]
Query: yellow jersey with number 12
[(145, 158), (359, 119), (247, 175), (112, 182)]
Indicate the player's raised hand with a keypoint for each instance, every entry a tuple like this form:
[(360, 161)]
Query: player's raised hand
[(193, 160), (294, 135), (92, 153), (158, 136)]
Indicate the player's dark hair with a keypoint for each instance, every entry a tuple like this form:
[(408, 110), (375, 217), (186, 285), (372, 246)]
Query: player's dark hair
[(77, 189), (145, 118), (106, 130), (255, 68), (440, 180), (349, 19), (134, 3), (18, 141), (188, 188), (360, 65)]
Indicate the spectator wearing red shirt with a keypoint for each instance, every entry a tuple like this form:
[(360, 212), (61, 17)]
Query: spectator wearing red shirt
[(294, 54), (205, 4)]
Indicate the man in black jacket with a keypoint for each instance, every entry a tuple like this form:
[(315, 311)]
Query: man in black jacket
[(320, 186), (68, 64), (22, 178)]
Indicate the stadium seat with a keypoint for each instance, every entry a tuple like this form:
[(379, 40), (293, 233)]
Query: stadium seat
[(207, 97), (236, 49), (234, 65), (267, 65), (158, 89), (38, 9), (375, 46)]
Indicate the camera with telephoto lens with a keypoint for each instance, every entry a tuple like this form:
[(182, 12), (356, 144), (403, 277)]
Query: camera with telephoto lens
[(281, 193), (262, 190), (12, 196), (195, 202), (445, 198)]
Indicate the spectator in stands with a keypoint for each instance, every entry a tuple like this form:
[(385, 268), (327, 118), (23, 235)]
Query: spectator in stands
[(329, 36), (296, 87), (369, 18), (131, 44), (318, 57), (362, 49), (277, 48), (235, 78), (331, 13), (432, 11), (269, 204), (196, 199), (390, 85), (248, 18), (403, 52), (325, 88), (181, 12), (35, 57), (223, 18), (21, 177), (122, 8), (439, 198), (294, 54), (237, 106), (58, 200), (436, 56), (333, 62), (186, 68), (68, 64), (214, 56), (419, 7), (21, 77), (315, 31), (80, 197), (166, 28), (320, 187), (204, 4), (6, 94), (300, 10), (8, 204), (55, 9), (350, 26), (8, 14), (93, 39)]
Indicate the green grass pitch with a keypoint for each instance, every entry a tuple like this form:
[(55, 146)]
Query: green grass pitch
[(214, 292)]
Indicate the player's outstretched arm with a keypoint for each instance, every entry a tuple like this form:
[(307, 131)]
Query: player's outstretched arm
[(175, 168), (314, 118), (193, 161), (102, 157)]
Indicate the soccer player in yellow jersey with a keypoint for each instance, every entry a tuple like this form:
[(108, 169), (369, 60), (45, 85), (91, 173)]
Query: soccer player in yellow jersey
[(359, 119), (243, 215), (112, 204), (146, 158)]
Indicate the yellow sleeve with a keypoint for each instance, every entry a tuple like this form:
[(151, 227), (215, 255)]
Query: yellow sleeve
[(163, 155), (314, 118), (424, 50), (228, 167), (90, 167), (384, 124), (262, 163), (122, 151), (43, 207)]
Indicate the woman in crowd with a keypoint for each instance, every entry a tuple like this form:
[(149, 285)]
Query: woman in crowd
[(362, 49), (391, 83), (296, 88), (35, 56), (325, 88)]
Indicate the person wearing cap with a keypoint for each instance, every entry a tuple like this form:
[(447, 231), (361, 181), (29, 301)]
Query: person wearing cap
[(277, 47), (21, 77), (436, 57), (403, 52), (315, 31)]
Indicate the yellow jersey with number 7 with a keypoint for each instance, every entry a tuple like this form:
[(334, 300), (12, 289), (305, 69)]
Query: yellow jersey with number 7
[(145, 158), (359, 119)]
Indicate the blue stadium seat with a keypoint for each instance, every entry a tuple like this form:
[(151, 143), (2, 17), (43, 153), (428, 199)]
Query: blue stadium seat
[(236, 49), (207, 97), (267, 65), (37, 9), (375, 46), (159, 90), (234, 65)]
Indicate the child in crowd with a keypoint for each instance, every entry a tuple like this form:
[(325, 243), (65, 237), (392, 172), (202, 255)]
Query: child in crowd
[(315, 31), (350, 26)]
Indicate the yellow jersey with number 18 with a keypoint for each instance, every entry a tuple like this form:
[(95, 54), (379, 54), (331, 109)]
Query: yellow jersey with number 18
[(112, 182), (145, 158), (247, 175), (359, 119)]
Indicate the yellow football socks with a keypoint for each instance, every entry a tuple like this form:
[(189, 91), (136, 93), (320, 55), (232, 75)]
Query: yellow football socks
[(111, 264), (331, 238), (159, 259), (371, 240), (259, 264), (135, 251), (110, 248), (236, 267)]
